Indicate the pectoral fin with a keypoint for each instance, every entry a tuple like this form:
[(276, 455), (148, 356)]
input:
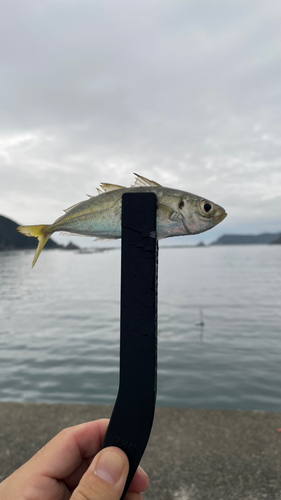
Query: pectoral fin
[(169, 212)]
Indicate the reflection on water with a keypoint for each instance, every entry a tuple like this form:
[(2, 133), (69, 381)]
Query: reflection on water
[(59, 331)]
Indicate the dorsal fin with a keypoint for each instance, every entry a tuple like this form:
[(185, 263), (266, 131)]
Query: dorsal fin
[(144, 182), (72, 206), (110, 187), (90, 195)]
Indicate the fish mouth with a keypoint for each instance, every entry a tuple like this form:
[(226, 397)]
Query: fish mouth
[(221, 216)]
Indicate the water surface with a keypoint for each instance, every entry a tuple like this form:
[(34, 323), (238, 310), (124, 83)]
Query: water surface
[(59, 331)]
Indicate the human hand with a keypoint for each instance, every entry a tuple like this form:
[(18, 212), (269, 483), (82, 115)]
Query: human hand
[(72, 467)]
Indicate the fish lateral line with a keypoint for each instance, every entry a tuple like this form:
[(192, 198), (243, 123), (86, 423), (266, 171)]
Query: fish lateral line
[(179, 213)]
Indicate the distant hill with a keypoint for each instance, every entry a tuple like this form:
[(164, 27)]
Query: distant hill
[(277, 242), (247, 239), (11, 239)]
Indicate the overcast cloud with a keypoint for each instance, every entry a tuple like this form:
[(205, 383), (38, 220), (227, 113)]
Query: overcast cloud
[(187, 93)]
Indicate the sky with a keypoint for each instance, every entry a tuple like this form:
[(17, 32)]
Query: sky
[(187, 93)]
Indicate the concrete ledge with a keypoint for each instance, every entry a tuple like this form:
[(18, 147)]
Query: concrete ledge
[(192, 454)]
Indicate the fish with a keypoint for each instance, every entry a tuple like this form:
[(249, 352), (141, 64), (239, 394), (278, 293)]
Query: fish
[(179, 213)]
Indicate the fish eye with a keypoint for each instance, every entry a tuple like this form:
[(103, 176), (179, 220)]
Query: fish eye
[(206, 207), (181, 204)]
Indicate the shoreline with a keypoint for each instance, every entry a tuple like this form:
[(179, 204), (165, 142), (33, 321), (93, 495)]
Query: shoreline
[(192, 454)]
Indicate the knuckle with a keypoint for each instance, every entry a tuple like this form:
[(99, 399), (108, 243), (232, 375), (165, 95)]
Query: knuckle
[(65, 432)]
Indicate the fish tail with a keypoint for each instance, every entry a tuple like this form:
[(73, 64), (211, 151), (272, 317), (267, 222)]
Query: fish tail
[(40, 232)]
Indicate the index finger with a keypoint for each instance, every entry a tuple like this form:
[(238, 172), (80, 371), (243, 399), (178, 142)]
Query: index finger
[(66, 451)]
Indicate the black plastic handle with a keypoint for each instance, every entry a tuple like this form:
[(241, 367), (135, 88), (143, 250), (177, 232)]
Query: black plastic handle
[(133, 413)]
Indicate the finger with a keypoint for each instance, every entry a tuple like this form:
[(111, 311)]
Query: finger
[(66, 452), (140, 481), (105, 478), (133, 496), (72, 481)]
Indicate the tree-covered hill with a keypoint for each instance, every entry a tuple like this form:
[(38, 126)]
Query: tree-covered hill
[(11, 239)]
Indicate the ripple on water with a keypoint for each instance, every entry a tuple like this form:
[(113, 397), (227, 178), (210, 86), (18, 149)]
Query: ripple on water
[(59, 331)]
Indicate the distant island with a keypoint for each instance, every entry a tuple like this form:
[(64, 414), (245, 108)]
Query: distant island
[(11, 239), (248, 239)]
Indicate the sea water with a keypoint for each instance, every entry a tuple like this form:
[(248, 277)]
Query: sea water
[(59, 327)]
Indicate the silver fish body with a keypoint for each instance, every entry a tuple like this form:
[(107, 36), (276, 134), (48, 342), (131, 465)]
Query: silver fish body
[(178, 213)]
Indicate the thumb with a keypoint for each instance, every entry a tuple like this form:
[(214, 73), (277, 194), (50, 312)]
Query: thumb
[(105, 478)]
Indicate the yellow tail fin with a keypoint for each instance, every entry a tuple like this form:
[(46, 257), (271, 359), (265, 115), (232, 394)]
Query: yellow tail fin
[(39, 232)]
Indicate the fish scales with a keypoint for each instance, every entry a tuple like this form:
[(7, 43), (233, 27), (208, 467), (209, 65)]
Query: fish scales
[(179, 213)]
